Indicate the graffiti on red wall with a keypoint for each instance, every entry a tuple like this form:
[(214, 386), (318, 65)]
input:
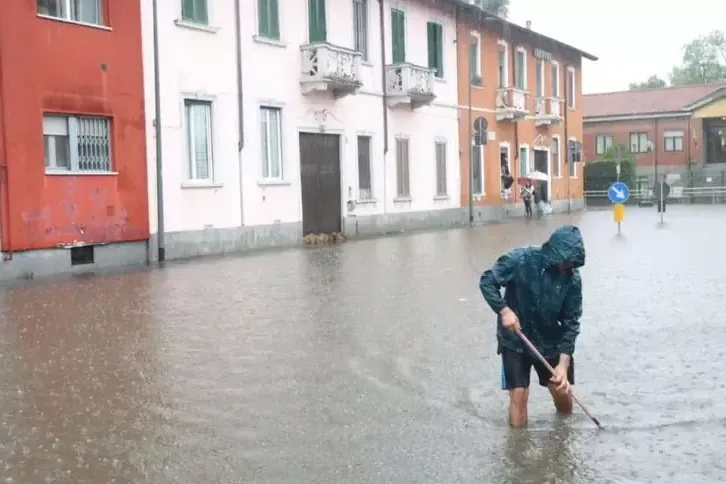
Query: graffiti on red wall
[(100, 219)]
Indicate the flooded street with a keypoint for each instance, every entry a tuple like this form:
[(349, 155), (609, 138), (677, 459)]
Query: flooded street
[(370, 362)]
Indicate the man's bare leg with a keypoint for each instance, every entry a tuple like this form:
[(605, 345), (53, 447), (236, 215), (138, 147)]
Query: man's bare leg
[(561, 399), (518, 407)]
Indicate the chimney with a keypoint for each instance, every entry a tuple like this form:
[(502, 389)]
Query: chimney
[(529, 25)]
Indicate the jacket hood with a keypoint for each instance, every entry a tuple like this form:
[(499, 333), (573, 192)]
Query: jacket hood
[(564, 245)]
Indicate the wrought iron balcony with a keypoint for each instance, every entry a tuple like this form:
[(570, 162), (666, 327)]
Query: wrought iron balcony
[(409, 85), (547, 111), (327, 67), (511, 103)]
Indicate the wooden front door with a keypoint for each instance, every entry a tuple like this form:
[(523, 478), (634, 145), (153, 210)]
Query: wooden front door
[(320, 183)]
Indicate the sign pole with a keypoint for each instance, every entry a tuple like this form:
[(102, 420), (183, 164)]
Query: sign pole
[(662, 207), (617, 175), (618, 193)]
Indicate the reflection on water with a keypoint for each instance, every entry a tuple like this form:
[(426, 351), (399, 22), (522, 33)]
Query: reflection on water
[(369, 362)]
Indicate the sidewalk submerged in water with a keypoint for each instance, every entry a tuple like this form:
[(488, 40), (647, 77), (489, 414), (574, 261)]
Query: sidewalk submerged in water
[(55, 264)]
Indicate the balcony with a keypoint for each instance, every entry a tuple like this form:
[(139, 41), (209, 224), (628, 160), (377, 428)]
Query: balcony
[(409, 85), (511, 104), (548, 110), (327, 67)]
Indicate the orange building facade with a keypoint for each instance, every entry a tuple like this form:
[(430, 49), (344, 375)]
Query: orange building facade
[(528, 89), (72, 135)]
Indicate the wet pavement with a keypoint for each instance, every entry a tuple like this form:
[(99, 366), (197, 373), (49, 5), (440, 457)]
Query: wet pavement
[(370, 362)]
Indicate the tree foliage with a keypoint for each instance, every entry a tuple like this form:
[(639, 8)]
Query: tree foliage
[(497, 7), (653, 82), (703, 62)]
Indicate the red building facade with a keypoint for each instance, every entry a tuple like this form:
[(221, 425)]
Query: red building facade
[(72, 130)]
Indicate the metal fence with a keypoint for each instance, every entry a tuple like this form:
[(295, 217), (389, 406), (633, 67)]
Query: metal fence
[(691, 186)]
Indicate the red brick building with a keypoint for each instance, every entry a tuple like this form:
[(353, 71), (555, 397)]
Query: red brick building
[(671, 126), (73, 180)]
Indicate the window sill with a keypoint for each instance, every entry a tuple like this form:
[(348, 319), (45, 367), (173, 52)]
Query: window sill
[(367, 63), (200, 184), (273, 183), (367, 201), (75, 22), (442, 198), (267, 41), (79, 173), (185, 24), (440, 79), (402, 200)]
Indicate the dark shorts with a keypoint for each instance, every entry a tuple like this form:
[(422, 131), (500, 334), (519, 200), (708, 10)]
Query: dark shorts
[(516, 369)]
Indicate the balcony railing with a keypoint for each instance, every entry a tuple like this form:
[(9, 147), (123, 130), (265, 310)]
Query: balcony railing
[(409, 84), (547, 111), (511, 103), (328, 67)]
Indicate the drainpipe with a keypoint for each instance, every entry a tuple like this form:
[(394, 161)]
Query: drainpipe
[(470, 140), (511, 78), (568, 155), (157, 130), (381, 20), (5, 204), (240, 105)]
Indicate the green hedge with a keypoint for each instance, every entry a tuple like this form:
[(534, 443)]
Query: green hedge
[(600, 174)]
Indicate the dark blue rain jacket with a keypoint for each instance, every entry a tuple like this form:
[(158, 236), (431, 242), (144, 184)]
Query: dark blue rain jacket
[(548, 303)]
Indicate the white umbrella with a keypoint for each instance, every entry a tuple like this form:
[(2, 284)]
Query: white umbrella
[(537, 176)]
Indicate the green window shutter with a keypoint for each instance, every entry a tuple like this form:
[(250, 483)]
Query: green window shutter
[(195, 11), (436, 48), (316, 21), (268, 19), (398, 36)]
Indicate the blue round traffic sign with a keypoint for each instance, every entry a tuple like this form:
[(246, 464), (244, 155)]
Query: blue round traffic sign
[(618, 192)]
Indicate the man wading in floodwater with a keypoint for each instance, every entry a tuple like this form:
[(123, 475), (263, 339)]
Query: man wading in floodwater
[(543, 300)]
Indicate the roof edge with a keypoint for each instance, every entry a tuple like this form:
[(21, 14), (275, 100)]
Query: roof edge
[(707, 99), (635, 117), (484, 15)]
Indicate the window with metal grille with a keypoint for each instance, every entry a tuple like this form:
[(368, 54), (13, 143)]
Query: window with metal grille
[(365, 187), (195, 11), (403, 185), (198, 139), (86, 11), (77, 143), (360, 27), (441, 183)]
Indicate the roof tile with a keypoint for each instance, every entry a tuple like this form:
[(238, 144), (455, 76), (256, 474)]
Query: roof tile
[(645, 101)]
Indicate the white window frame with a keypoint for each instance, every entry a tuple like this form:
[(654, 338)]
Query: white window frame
[(505, 80), (482, 152), (574, 165), (675, 135), (441, 142), (522, 146), (601, 143), (642, 146), (477, 70), (523, 52), (365, 56), (71, 131), (191, 166), (572, 92), (264, 111), (407, 140), (504, 144), (541, 78), (557, 137), (66, 4), (555, 88), (371, 196)]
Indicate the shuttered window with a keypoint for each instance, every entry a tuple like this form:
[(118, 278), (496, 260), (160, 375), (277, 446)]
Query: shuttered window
[(316, 21), (398, 36), (436, 48)]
